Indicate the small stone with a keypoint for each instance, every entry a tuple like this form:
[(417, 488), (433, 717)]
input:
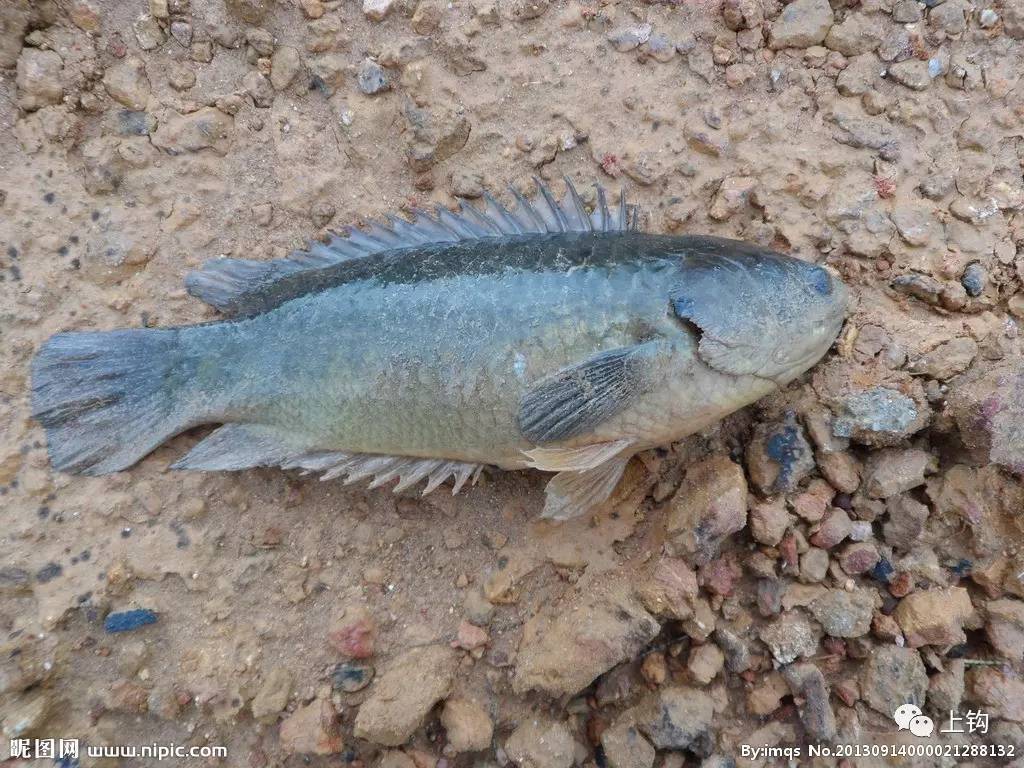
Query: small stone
[(1005, 628), (988, 409), (766, 697), (564, 649), (259, 89), (435, 136), (313, 9), (877, 416), (625, 747), (779, 456), (946, 360), (403, 695), (671, 589), (833, 529), (813, 565), (128, 621), (272, 696), (857, 34), (1001, 693), (39, 79), (907, 518), (250, 11), (801, 24), (892, 471), (907, 12), (351, 676), (127, 83), (845, 614), (675, 717), (372, 79), (789, 637), (312, 730), (733, 193), (538, 743), (912, 73), (812, 504), (470, 637), (934, 616), (377, 10), (427, 16), (859, 558), (807, 682), (946, 689), (261, 41), (654, 668), (181, 31), (284, 67), (768, 521), (705, 662), (467, 184), (628, 38), (354, 636), (148, 33), (710, 505), (893, 676), (841, 470), (181, 77), (467, 726), (737, 654)]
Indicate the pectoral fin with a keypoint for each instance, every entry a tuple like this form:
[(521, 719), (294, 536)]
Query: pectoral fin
[(569, 494), (575, 400)]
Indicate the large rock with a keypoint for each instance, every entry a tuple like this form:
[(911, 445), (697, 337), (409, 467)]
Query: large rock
[(893, 676), (710, 505), (934, 616), (803, 23), (404, 694), (988, 409), (566, 647)]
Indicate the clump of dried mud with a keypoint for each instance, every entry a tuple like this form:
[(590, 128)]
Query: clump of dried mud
[(849, 545)]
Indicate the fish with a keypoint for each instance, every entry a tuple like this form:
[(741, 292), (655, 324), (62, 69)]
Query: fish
[(545, 335)]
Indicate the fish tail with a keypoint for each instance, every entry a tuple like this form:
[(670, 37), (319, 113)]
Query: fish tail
[(108, 399)]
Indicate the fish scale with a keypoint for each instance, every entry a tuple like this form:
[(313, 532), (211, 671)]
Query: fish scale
[(544, 336)]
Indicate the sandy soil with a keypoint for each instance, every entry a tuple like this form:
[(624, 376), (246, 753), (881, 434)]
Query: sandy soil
[(732, 594)]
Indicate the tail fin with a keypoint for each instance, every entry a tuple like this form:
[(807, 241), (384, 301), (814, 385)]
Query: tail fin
[(107, 399)]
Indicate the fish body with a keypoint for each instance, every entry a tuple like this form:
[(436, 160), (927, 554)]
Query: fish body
[(566, 350)]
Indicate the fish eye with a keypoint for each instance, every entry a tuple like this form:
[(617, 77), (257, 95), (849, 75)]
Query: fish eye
[(820, 280)]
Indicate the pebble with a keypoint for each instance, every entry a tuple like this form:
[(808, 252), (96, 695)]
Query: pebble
[(841, 470), (734, 192), (148, 33), (39, 79), (538, 743), (427, 16), (470, 637), (377, 10), (907, 12), (946, 360), (859, 557), (404, 694), (128, 621), (834, 528), (354, 636), (988, 409), (127, 83), (705, 662), (892, 676), (372, 78), (789, 636), (284, 67), (766, 697), (1004, 628), (250, 11), (351, 676), (946, 688), (556, 652), (892, 471), (845, 614), (435, 135), (206, 128), (768, 521), (671, 589), (857, 34), (808, 683), (674, 717), (312, 730), (906, 520), (181, 31), (779, 456), (467, 725), (801, 24), (999, 692), (625, 747), (877, 416), (934, 616), (272, 697), (912, 73), (629, 38), (710, 505)]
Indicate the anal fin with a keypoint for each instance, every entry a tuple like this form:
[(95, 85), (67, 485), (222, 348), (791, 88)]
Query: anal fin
[(570, 494), (575, 459), (237, 446)]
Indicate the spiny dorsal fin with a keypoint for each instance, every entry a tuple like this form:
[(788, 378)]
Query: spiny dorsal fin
[(225, 283)]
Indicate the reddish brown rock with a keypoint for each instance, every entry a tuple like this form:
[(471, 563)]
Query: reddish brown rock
[(934, 616), (710, 505)]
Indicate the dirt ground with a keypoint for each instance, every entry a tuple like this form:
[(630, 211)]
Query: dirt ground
[(850, 545)]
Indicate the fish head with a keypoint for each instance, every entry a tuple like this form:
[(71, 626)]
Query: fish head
[(757, 312)]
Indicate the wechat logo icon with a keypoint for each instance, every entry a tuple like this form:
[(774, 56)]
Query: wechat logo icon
[(909, 717)]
